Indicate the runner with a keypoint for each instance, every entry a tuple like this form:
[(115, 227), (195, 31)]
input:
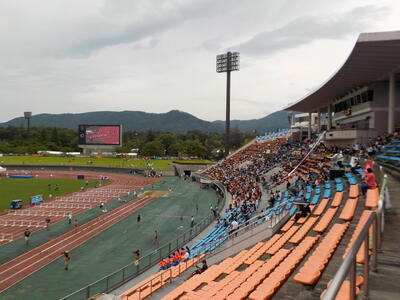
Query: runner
[(67, 258), (192, 222), (47, 222), (155, 238), (69, 218), (76, 225), (137, 257), (27, 233)]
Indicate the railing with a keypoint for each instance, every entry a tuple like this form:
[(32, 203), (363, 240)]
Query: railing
[(308, 153), (130, 271), (348, 267)]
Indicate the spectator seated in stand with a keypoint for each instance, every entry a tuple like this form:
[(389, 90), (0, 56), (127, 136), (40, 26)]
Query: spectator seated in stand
[(369, 181)]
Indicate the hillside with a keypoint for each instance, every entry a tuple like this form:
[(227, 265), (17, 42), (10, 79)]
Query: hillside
[(173, 121), (270, 122)]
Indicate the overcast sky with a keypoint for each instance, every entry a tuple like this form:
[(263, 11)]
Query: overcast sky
[(60, 56)]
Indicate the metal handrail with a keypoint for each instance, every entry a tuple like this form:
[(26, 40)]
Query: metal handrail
[(349, 264)]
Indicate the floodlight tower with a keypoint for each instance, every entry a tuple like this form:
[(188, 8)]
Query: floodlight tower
[(225, 64), (28, 116)]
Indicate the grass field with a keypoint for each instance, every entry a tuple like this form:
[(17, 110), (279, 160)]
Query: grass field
[(85, 161), (12, 189), (112, 249)]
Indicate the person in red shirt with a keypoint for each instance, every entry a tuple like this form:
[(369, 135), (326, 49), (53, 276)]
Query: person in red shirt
[(163, 264), (369, 181)]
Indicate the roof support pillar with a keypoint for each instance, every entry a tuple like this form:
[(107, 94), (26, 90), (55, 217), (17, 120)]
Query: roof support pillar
[(319, 121), (392, 103), (309, 125), (329, 117)]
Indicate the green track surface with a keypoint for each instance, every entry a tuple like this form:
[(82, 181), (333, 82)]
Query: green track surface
[(112, 249), (12, 189), (85, 161)]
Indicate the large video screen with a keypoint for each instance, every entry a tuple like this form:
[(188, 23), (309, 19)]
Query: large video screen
[(99, 134)]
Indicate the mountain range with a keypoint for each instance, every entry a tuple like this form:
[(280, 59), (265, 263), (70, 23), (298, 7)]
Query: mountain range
[(173, 121)]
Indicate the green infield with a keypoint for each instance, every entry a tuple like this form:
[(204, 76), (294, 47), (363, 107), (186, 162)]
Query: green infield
[(12, 189), (87, 161)]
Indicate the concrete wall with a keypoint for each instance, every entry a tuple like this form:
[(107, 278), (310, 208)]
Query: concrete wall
[(376, 111), (179, 169)]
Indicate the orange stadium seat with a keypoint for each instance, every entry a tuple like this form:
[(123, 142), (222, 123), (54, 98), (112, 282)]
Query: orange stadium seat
[(372, 198), (321, 207), (337, 200), (301, 233), (325, 220), (354, 191), (349, 209), (311, 271)]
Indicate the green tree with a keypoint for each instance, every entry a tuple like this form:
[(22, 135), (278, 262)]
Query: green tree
[(194, 148), (154, 148), (167, 140)]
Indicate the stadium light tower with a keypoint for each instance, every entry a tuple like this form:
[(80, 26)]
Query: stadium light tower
[(28, 116), (225, 64)]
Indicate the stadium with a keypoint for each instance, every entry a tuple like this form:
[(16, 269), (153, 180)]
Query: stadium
[(286, 216)]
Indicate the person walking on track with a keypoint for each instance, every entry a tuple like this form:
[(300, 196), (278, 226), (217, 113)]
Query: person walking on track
[(69, 218), (155, 237), (27, 234), (66, 258), (137, 257), (76, 225)]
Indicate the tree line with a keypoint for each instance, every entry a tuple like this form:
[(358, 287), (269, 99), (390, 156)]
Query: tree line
[(20, 140)]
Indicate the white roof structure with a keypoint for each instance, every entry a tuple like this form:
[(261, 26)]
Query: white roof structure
[(374, 57)]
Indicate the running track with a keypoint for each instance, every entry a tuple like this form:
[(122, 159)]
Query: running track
[(30, 262)]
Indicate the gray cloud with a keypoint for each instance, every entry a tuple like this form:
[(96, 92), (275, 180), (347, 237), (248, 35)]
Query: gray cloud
[(307, 29)]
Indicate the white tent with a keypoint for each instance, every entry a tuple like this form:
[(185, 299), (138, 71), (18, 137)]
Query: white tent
[(2, 169)]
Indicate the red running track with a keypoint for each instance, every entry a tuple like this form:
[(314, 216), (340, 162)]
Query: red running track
[(30, 262)]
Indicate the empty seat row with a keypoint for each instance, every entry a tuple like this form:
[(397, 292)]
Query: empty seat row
[(282, 240), (311, 271), (360, 254), (372, 198), (262, 250), (325, 220), (301, 233), (337, 199), (321, 207), (274, 281), (249, 280), (348, 209), (354, 191)]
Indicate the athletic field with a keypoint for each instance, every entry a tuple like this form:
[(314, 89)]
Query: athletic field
[(112, 249), (12, 189), (161, 165)]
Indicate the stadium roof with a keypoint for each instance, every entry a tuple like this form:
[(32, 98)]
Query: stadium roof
[(374, 57)]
